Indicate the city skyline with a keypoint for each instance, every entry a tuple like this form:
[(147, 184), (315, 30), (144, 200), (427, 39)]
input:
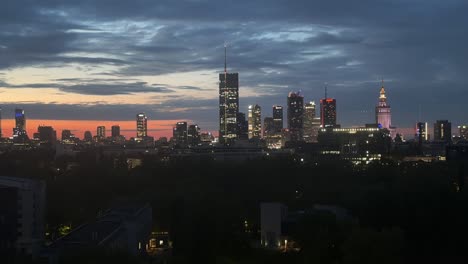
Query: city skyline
[(81, 61)]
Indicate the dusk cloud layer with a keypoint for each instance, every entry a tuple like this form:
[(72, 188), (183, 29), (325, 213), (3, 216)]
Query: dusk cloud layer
[(116, 58)]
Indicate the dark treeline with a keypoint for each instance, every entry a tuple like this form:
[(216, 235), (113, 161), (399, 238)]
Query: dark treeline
[(406, 213)]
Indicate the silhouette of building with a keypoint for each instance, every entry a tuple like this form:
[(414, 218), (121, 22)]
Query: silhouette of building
[(101, 132), (278, 118), (255, 122), (443, 131), (193, 135), (142, 125), (67, 135), (463, 132), (47, 134), (242, 126), (88, 137), (115, 131), (22, 216), (295, 116), (228, 104)]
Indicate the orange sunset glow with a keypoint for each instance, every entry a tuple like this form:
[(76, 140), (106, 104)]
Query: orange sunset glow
[(156, 128)]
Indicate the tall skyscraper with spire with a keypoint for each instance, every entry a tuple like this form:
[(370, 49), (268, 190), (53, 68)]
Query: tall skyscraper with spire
[(228, 104), (383, 115)]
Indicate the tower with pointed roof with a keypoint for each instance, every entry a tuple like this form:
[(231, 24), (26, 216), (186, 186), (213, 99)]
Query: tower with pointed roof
[(383, 113)]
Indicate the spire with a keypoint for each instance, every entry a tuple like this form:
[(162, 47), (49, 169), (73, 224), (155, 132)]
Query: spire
[(382, 91), (326, 90), (225, 57)]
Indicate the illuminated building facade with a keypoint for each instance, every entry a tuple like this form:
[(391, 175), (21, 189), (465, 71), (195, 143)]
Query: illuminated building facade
[(443, 131), (180, 134), (142, 125), (228, 105), (193, 135), (19, 131), (295, 116), (383, 115), (422, 133), (278, 118), (328, 112), (255, 122), (311, 123), (101, 132), (463, 132)]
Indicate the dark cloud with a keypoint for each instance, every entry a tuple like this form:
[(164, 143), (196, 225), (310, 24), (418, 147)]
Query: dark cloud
[(276, 46)]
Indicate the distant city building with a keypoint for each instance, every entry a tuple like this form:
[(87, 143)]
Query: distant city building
[(19, 131), (193, 135), (383, 114), (1, 133), (268, 127), (328, 112), (463, 132), (22, 216), (311, 127), (47, 134), (101, 132), (255, 122), (295, 116), (422, 133), (206, 138), (278, 118), (115, 131), (242, 126), (142, 125), (88, 137), (180, 134), (66, 134), (228, 104), (443, 131)]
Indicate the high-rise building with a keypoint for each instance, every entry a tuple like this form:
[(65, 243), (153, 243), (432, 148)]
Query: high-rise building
[(295, 116), (19, 131), (88, 137), (268, 127), (255, 122), (328, 112), (463, 132), (193, 135), (242, 126), (115, 131), (101, 132), (443, 131), (383, 114), (22, 216), (422, 133), (142, 125), (278, 118), (66, 134), (228, 104), (1, 134), (180, 134), (311, 127)]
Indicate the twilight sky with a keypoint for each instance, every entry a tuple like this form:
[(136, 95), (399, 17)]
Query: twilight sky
[(110, 59)]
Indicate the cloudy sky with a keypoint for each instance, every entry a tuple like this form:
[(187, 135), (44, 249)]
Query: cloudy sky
[(106, 60)]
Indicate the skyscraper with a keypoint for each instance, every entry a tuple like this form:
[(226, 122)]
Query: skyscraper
[(115, 131), (422, 133), (228, 104), (383, 115), (47, 134), (101, 132), (142, 125), (1, 135), (255, 122), (66, 134), (193, 135), (328, 112), (295, 116), (179, 134), (463, 132), (443, 131), (310, 126), (242, 126), (278, 118), (19, 131), (268, 127)]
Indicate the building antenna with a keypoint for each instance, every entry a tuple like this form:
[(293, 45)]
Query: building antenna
[(326, 90), (225, 57)]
